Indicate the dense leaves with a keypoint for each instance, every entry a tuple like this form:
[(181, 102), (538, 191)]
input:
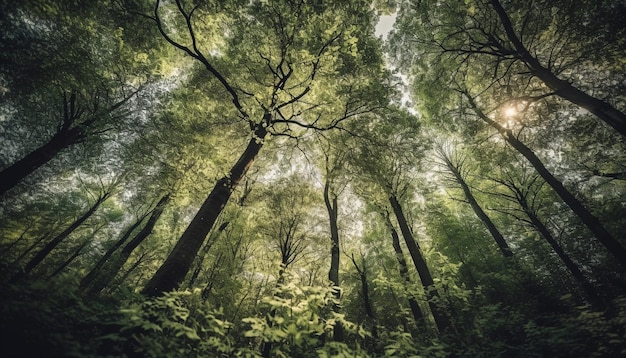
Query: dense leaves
[(187, 178)]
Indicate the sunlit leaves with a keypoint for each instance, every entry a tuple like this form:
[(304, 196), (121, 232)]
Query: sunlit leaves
[(299, 318)]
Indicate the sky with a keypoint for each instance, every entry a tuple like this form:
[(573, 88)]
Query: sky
[(384, 25)]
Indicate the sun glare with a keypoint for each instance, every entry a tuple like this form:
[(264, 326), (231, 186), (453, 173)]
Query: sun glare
[(510, 112)]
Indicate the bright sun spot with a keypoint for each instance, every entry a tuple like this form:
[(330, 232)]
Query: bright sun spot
[(510, 112)]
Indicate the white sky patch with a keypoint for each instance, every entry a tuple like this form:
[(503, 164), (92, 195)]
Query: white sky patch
[(407, 100), (384, 25)]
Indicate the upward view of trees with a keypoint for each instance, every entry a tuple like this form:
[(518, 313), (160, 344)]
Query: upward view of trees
[(248, 179)]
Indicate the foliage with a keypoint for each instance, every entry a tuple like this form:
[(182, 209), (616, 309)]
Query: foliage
[(300, 321), (39, 319), (402, 344), (143, 98), (167, 326)]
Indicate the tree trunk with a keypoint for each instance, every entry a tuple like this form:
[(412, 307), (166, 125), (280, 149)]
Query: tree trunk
[(67, 262), (172, 272), (217, 263), (404, 273), (441, 320), (563, 89), (365, 291), (493, 230), (29, 249), (589, 290), (11, 176), (59, 238), (205, 250), (587, 218), (133, 267), (333, 273), (95, 271), (114, 265), (369, 310), (331, 206)]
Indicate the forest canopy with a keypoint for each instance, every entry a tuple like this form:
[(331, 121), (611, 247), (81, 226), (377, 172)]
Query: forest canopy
[(276, 178)]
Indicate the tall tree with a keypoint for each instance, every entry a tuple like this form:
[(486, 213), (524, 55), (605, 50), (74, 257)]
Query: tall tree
[(76, 125), (287, 87), (332, 166), (85, 281), (77, 251), (52, 244), (80, 94), (109, 269), (388, 159), (441, 319), (524, 190), (365, 291), (591, 222), (533, 49), (562, 88), (112, 268), (404, 270), (455, 165)]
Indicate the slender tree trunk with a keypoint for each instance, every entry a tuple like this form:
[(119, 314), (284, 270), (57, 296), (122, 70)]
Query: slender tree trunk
[(404, 272), (8, 248), (36, 260), (95, 271), (133, 267), (206, 291), (205, 250), (114, 265), (589, 290), (365, 291), (562, 88), (67, 262), (333, 273), (493, 230), (11, 176), (331, 206), (441, 320), (587, 218), (369, 310), (172, 272), (29, 249)]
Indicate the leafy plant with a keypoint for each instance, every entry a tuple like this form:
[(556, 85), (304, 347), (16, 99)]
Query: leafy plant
[(166, 326), (300, 321)]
